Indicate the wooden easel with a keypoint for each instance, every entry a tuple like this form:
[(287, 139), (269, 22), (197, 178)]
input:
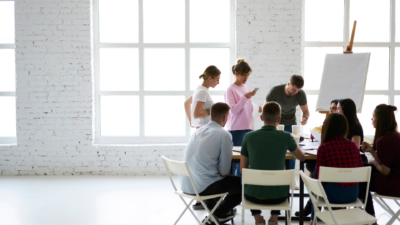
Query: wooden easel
[(349, 50)]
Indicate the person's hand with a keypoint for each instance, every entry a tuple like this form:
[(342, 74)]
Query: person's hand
[(259, 109), (250, 94), (303, 121), (224, 175), (373, 162), (366, 147)]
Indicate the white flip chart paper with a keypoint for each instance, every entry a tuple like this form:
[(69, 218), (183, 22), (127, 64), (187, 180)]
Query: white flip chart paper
[(344, 76)]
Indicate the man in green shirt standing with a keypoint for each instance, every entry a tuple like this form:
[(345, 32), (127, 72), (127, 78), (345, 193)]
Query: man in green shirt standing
[(265, 149), (289, 96)]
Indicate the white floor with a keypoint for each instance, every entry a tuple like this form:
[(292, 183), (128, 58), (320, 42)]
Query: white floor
[(100, 200)]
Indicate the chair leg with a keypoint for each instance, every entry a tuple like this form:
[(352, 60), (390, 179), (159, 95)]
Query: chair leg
[(242, 215), (289, 217), (210, 213), (394, 217), (187, 207), (286, 217)]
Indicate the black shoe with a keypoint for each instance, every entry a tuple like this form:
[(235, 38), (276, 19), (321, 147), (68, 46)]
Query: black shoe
[(225, 218), (209, 222), (198, 206), (307, 209)]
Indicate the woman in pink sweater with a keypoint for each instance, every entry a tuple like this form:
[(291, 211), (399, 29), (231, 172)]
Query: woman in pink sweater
[(238, 97)]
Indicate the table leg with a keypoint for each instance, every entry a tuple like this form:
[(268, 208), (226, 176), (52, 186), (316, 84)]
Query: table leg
[(301, 219)]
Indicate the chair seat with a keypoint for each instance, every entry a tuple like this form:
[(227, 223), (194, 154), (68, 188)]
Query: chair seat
[(251, 205), (347, 217), (357, 203), (384, 196), (204, 197)]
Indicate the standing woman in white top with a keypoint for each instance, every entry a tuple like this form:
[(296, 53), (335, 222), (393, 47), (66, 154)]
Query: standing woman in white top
[(199, 113)]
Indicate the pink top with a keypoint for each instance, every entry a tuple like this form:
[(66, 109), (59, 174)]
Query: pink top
[(241, 114)]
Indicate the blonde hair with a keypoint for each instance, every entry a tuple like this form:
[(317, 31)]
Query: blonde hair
[(211, 71), (241, 67)]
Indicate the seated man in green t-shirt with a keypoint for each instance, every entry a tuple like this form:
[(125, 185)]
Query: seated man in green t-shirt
[(265, 149)]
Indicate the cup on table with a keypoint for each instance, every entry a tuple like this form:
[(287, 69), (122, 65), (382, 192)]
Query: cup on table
[(295, 129), (281, 127), (297, 139)]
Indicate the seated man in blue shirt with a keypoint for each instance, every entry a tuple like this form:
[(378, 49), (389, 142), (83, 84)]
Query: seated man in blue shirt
[(209, 156)]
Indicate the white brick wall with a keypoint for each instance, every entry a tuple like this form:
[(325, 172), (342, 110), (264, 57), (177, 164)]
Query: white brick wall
[(268, 35), (55, 93)]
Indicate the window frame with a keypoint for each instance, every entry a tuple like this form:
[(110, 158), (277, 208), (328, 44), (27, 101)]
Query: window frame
[(348, 26), (4, 139), (142, 139)]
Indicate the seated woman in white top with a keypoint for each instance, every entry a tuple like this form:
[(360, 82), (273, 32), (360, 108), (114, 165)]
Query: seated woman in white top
[(199, 113)]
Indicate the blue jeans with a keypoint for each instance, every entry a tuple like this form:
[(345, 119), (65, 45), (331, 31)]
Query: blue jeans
[(255, 212), (237, 139), (292, 162), (338, 194)]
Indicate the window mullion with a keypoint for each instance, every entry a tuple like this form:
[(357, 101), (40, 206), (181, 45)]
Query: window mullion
[(141, 70), (346, 23), (187, 59), (392, 51), (96, 55)]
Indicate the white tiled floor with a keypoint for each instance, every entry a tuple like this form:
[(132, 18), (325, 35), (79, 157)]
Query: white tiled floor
[(99, 200)]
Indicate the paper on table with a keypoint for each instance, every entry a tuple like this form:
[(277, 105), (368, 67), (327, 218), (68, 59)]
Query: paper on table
[(308, 145), (312, 152), (237, 148)]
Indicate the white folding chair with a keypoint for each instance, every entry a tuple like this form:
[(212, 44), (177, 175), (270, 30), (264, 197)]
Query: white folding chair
[(268, 178), (338, 217), (181, 168), (379, 199), (345, 175)]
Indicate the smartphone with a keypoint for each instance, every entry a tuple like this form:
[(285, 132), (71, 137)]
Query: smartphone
[(255, 89)]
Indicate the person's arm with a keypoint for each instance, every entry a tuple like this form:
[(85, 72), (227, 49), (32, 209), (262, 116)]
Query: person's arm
[(198, 110), (298, 154), (306, 113), (357, 140), (384, 170), (225, 157), (319, 161), (187, 104), (244, 162), (236, 107)]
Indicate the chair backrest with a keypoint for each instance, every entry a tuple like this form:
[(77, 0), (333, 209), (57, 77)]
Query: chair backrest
[(267, 177), (344, 175), (177, 167), (312, 185), (315, 187)]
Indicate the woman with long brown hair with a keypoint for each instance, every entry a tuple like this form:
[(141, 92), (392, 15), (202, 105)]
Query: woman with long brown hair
[(385, 175), (337, 151)]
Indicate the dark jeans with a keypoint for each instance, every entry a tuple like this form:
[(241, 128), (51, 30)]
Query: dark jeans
[(311, 167), (338, 194), (363, 188), (230, 184), (292, 162), (237, 139), (274, 201)]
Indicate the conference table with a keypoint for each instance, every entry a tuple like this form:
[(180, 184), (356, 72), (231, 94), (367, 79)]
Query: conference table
[(301, 195)]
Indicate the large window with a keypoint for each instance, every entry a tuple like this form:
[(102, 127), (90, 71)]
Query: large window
[(7, 73), (148, 58), (327, 29)]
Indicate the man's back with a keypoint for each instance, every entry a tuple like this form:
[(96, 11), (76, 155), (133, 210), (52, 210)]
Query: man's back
[(266, 149), (209, 155)]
